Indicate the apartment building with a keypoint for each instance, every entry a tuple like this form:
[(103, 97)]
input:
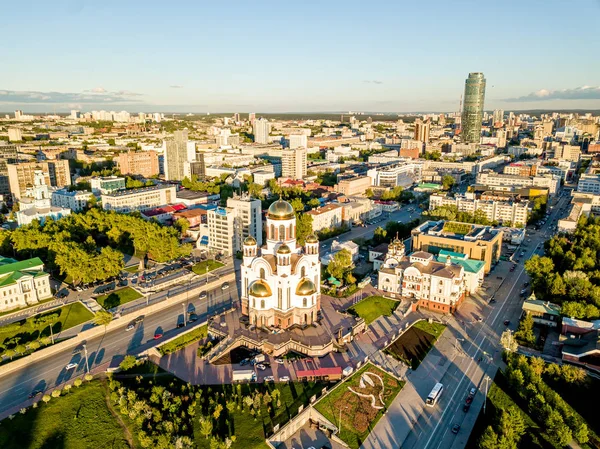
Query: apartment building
[(107, 184), (179, 154), (139, 199), (247, 219), (293, 163), (22, 283), (477, 242), (75, 200), (504, 212), (298, 141), (568, 153), (403, 174), (353, 186), (22, 175), (8, 155), (510, 182), (221, 230), (589, 183), (419, 277), (326, 217), (143, 163)]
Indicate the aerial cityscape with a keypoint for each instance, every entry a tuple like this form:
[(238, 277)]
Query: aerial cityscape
[(262, 225)]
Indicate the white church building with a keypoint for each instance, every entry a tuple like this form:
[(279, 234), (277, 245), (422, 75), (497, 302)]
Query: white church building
[(280, 280)]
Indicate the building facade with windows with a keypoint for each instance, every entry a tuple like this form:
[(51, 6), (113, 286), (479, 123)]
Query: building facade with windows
[(21, 176), (221, 230), (143, 163), (22, 283), (76, 200), (247, 221), (107, 184), (139, 199), (293, 163), (280, 281)]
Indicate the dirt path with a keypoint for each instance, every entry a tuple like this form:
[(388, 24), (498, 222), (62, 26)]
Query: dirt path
[(126, 431)]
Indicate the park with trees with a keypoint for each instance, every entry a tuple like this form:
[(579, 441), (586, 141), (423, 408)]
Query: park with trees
[(89, 246)]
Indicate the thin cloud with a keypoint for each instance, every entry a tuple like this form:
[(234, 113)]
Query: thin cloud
[(86, 97), (373, 82), (578, 93), (175, 86), (97, 90)]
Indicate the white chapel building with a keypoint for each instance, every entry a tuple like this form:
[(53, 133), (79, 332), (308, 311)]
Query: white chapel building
[(280, 280)]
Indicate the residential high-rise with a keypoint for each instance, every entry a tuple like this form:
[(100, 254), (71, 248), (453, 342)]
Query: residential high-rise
[(422, 130), (298, 141), (8, 155), (498, 117), (178, 155), (293, 163), (21, 176), (262, 128), (252, 117), (18, 114), (15, 134), (472, 113), (247, 220), (144, 163)]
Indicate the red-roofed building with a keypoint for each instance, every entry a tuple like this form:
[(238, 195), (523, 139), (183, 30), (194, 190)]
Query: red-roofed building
[(330, 373)]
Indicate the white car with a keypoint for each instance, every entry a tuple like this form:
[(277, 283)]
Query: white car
[(269, 379), (280, 361), (284, 379), (71, 366)]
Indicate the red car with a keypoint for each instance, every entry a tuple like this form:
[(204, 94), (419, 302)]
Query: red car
[(157, 335)]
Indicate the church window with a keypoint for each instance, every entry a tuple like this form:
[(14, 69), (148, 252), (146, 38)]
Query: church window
[(303, 302), (273, 232), (281, 232), (262, 273), (262, 303), (302, 271)]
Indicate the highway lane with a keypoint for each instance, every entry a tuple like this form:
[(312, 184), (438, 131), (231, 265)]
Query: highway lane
[(49, 372), (432, 431)]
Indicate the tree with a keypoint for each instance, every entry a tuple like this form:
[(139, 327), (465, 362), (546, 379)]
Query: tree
[(128, 362), (447, 182), (558, 429), (379, 235), (217, 411), (111, 142), (525, 330), (182, 225), (303, 227), (102, 318), (508, 342), (255, 190), (313, 203), (572, 374), (369, 193), (340, 264), (206, 426), (512, 424)]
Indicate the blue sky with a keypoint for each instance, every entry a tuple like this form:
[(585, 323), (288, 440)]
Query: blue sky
[(268, 56)]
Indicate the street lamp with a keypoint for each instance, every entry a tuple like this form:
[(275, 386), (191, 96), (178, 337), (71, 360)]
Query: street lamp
[(87, 366), (184, 318), (487, 379)]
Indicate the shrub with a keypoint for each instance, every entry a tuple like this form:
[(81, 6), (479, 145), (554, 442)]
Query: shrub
[(88, 377), (56, 393), (23, 411), (46, 398), (77, 382)]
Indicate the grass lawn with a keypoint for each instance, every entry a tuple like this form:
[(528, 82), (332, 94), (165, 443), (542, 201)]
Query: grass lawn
[(25, 308), (358, 416), (373, 307), (118, 297), (414, 344), (132, 269), (200, 267), (78, 420), (499, 398), (182, 341), (38, 326)]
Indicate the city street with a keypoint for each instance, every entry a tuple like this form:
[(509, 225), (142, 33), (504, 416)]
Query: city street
[(109, 349)]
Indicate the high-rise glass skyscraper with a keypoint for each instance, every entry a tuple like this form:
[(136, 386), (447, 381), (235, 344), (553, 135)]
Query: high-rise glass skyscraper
[(472, 113)]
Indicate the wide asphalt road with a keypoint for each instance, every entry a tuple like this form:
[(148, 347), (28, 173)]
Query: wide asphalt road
[(481, 357), (47, 373)]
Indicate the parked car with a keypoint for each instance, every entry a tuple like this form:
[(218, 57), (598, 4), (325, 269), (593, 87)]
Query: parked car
[(280, 361), (466, 407), (203, 295), (225, 286), (269, 379), (261, 367), (193, 317), (130, 327), (284, 379)]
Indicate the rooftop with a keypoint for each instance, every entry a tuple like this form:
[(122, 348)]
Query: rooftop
[(457, 230), (29, 264), (138, 191), (537, 306)]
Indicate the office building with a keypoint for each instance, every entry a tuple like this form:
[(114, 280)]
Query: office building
[(512, 213), (472, 114), (107, 184), (293, 163), (298, 141), (20, 176), (179, 153), (76, 200), (15, 135), (262, 129), (139, 199), (403, 174), (422, 130), (280, 281), (498, 118), (511, 182), (247, 219), (326, 217), (8, 155), (357, 185), (23, 283), (420, 278), (143, 163), (477, 242)]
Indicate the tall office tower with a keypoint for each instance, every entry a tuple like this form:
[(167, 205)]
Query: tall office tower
[(252, 117), (8, 155), (247, 221), (498, 117), (236, 117), (18, 114), (293, 163), (176, 156), (422, 130), (262, 128), (472, 113), (21, 176)]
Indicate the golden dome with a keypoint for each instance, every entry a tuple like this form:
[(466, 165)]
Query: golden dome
[(260, 288), (312, 239), (281, 210), (250, 241), (305, 287), (284, 249)]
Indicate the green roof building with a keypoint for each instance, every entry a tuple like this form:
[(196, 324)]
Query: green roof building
[(22, 283)]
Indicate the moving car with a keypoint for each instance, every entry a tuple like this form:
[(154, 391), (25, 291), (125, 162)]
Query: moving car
[(158, 335), (34, 393), (71, 366), (506, 322), (455, 428), (193, 317), (139, 319), (130, 327), (225, 286), (203, 295)]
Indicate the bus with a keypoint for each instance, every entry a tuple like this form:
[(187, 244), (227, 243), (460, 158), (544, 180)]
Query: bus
[(434, 395)]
